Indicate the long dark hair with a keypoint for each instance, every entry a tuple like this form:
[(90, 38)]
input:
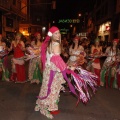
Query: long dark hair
[(117, 47), (35, 39), (79, 43)]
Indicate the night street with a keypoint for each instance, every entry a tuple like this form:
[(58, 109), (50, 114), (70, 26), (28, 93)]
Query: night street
[(17, 102), (43, 42)]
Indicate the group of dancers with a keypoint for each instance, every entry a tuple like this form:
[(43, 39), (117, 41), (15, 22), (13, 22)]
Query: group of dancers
[(20, 55), (108, 73), (46, 66)]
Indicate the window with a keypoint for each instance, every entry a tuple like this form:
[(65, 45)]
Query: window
[(106, 38), (9, 22), (115, 35), (14, 2), (116, 23), (99, 3)]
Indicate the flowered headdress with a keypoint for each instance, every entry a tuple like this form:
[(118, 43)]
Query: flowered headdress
[(45, 44), (76, 38), (116, 40), (36, 34)]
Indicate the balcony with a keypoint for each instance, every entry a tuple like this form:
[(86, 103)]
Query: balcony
[(18, 12), (5, 5)]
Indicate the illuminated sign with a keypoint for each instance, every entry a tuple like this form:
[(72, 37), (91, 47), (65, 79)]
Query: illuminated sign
[(107, 28), (69, 21), (64, 31), (82, 34)]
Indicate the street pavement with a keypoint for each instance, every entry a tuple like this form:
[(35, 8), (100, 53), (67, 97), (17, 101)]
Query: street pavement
[(17, 102)]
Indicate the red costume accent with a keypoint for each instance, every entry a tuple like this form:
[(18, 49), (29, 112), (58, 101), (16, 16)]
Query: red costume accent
[(76, 38), (17, 51), (20, 69), (97, 71), (55, 112), (106, 81), (116, 40), (97, 60), (36, 34)]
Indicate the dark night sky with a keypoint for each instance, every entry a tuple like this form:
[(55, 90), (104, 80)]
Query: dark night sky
[(71, 8)]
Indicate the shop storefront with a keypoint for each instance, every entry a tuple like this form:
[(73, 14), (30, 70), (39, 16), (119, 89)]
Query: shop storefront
[(104, 31)]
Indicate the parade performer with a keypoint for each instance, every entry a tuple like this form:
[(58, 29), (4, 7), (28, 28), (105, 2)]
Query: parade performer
[(94, 63), (76, 52), (55, 74), (4, 72), (34, 71), (18, 66), (109, 69)]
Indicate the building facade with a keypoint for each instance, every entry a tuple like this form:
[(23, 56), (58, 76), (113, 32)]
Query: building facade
[(11, 13), (105, 19), (40, 16)]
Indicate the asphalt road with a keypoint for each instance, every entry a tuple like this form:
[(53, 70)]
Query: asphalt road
[(17, 102)]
